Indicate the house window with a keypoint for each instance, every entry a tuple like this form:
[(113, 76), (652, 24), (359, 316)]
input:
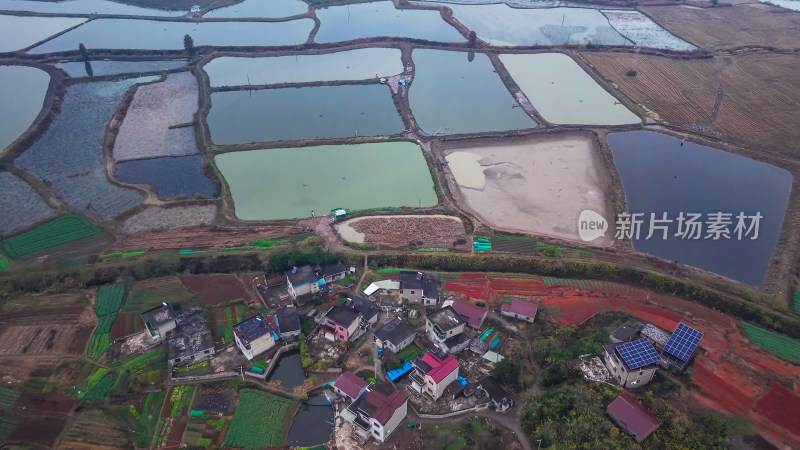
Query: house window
[(376, 432), (207, 352), (412, 292), (177, 360)]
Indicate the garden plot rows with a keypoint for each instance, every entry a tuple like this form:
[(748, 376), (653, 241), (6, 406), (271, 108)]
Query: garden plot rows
[(109, 300), (94, 429), (50, 339), (60, 231), (77, 175), (259, 421), (146, 132), (20, 203), (152, 219), (151, 293), (415, 231)]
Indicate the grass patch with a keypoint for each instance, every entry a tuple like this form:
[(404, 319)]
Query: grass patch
[(409, 352), (7, 398), (4, 264), (259, 421), (59, 231)]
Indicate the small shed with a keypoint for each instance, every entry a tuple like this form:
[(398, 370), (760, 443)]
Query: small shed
[(339, 213), (195, 9)]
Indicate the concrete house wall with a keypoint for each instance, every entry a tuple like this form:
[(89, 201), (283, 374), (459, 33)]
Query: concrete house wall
[(257, 347), (437, 389), (381, 432), (625, 378), (517, 316)]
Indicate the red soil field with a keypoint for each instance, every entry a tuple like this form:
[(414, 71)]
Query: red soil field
[(216, 289), (719, 390), (781, 406), (126, 324)]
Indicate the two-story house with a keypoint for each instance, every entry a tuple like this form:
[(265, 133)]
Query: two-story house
[(419, 287), (443, 324), (159, 321), (191, 340), (395, 335), (431, 375), (632, 368), (340, 323), (377, 412), (254, 336), (311, 280)]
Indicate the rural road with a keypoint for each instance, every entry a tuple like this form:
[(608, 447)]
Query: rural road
[(510, 421)]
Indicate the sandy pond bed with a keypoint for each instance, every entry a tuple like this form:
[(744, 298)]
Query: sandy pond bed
[(539, 185)]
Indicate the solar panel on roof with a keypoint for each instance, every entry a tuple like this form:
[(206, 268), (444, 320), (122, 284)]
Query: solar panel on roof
[(683, 342), (638, 353)]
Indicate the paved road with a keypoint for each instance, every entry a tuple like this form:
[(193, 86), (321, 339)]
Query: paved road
[(509, 420)]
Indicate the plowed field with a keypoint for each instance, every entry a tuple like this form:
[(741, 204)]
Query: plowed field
[(216, 289), (199, 238)]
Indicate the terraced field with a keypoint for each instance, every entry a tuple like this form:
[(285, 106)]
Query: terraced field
[(60, 231)]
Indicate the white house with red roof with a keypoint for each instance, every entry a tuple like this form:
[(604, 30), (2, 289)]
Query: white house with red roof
[(520, 309), (350, 385), (377, 412), (432, 375)]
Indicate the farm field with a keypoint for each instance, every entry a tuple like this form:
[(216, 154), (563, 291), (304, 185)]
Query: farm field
[(208, 238), (20, 203), (216, 289), (95, 429), (22, 92), (143, 418), (154, 218), (171, 176), (59, 231), (359, 64), (426, 231), (221, 321), (259, 420), (43, 432), (684, 92), (779, 345), (145, 131), (126, 324), (22, 32), (109, 300), (642, 31), (257, 8), (51, 339), (505, 181), (77, 176), (152, 292), (503, 242), (105, 68), (174, 416)]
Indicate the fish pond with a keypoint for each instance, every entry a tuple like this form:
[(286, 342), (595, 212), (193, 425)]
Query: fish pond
[(170, 176), (160, 35), (77, 175), (105, 68), (288, 371), (453, 93), (22, 92), (360, 64), (794, 5), (563, 93), (259, 9), (239, 117), (17, 33), (85, 7), (661, 175), (363, 20), (286, 183), (20, 204), (313, 423)]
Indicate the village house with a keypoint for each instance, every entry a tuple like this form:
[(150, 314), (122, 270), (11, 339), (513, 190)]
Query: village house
[(630, 371), (431, 375), (159, 321), (254, 336), (492, 391), (377, 412), (632, 416), (288, 321), (395, 335), (273, 290), (368, 311), (472, 313), (419, 287), (443, 324), (340, 323), (311, 280), (520, 309), (191, 340), (350, 385)]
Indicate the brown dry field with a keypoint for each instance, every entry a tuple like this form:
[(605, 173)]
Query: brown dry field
[(37, 340), (761, 102), (203, 237), (748, 24), (216, 289)]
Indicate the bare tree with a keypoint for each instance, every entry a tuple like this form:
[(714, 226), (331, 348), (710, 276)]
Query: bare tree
[(188, 44)]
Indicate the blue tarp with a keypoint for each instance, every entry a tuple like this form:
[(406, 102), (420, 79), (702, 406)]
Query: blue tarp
[(397, 373), (462, 380), (496, 341)]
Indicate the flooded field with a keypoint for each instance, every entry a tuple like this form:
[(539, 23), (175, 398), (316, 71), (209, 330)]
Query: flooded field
[(452, 95), (259, 8), (239, 117), (661, 175), (360, 64), (85, 7), (536, 185), (288, 183), (20, 203), (642, 31), (77, 176), (17, 33), (500, 24), (22, 92), (170, 176), (362, 20), (159, 35), (563, 93), (145, 132), (104, 68), (313, 423)]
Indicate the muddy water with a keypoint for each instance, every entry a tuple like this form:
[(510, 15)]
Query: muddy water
[(563, 93), (289, 371), (238, 117), (467, 169), (659, 175), (22, 92), (312, 425), (288, 183), (362, 20), (159, 35), (451, 95), (17, 33), (170, 176), (360, 64)]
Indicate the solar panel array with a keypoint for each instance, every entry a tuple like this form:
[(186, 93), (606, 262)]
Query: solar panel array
[(683, 342), (638, 353)]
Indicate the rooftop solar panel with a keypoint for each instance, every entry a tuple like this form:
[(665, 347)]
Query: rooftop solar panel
[(683, 342), (638, 353)]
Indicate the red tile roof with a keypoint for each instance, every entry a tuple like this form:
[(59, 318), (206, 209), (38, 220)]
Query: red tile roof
[(445, 368), (633, 416), (350, 384), (472, 312), (431, 360), (385, 406), (521, 307)]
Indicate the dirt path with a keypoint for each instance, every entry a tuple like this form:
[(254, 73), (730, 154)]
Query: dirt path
[(363, 274), (510, 420), (322, 226)]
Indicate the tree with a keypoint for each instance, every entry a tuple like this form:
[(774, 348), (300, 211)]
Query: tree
[(394, 363), (507, 371), (84, 52), (188, 44), (472, 39)]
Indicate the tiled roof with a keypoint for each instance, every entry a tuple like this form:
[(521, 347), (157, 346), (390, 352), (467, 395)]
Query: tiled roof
[(384, 405), (342, 316), (439, 368), (521, 307), (350, 384), (472, 312), (633, 416)]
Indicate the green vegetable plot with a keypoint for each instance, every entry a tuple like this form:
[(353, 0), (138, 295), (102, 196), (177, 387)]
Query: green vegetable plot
[(779, 345), (259, 420), (60, 231)]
